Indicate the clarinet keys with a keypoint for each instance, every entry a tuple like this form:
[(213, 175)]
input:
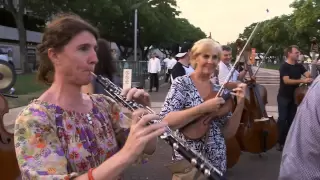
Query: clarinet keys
[(207, 173), (175, 146)]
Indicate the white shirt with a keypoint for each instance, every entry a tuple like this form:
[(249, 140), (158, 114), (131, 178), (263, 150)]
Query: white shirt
[(166, 60), (188, 69), (154, 65), (224, 71), (171, 63)]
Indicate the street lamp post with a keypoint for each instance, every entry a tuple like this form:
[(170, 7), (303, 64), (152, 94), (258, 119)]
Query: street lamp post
[(135, 34)]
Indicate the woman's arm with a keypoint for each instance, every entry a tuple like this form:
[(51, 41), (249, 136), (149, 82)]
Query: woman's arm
[(40, 154), (111, 168), (233, 123), (178, 119), (173, 111), (121, 123)]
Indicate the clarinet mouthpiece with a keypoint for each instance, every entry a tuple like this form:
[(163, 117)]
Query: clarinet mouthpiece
[(93, 74)]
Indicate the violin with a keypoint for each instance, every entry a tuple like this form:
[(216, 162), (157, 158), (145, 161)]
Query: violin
[(197, 129), (9, 168), (258, 132)]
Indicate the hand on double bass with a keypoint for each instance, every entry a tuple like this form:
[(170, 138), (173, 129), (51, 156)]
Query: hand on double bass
[(240, 92), (307, 80)]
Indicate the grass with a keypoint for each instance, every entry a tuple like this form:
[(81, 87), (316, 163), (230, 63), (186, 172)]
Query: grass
[(272, 66), (27, 83), (27, 89)]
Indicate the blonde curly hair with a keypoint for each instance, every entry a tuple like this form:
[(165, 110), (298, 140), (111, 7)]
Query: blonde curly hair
[(202, 46)]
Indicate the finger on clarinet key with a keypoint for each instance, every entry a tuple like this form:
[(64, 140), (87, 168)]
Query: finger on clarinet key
[(130, 93), (146, 119), (139, 93), (155, 133), (136, 115), (153, 127), (125, 91)]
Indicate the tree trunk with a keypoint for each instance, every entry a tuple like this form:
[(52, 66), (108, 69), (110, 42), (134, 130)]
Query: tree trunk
[(23, 44)]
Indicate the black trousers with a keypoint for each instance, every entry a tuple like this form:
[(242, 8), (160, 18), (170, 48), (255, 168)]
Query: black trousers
[(168, 79), (287, 110), (154, 81)]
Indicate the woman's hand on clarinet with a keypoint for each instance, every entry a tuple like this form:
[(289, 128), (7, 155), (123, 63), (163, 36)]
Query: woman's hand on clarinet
[(240, 92), (141, 133), (138, 95)]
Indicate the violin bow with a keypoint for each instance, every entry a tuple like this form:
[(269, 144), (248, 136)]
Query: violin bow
[(222, 88), (262, 61)]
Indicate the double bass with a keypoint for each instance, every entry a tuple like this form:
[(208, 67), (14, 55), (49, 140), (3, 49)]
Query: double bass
[(9, 168), (258, 132)]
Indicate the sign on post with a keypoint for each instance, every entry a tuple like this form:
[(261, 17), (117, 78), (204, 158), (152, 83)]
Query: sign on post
[(127, 78)]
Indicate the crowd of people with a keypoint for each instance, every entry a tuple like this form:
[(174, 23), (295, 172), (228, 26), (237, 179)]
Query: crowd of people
[(73, 130)]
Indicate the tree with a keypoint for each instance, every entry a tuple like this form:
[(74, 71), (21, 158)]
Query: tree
[(17, 11), (281, 31), (158, 25)]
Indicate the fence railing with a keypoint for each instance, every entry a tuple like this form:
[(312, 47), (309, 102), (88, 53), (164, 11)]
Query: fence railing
[(140, 73)]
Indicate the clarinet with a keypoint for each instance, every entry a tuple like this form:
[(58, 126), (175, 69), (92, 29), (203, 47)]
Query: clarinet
[(195, 158)]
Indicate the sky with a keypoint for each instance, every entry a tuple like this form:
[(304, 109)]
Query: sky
[(226, 19)]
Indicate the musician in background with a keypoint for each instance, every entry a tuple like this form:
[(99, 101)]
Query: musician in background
[(182, 67), (105, 67), (315, 64), (185, 102), (154, 68), (170, 62), (314, 49), (301, 153), (65, 134), (290, 78), (225, 67)]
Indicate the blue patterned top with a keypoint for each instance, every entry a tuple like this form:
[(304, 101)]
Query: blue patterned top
[(183, 94)]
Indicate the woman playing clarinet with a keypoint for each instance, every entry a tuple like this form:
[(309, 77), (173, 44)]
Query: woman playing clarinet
[(65, 134)]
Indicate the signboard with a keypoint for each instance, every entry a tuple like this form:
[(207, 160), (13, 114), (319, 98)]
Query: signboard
[(127, 78)]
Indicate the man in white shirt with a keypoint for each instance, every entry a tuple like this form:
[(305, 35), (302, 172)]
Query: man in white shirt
[(170, 62), (154, 67), (225, 67)]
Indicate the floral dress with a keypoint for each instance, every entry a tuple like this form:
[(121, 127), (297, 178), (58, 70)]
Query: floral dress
[(53, 143), (183, 94)]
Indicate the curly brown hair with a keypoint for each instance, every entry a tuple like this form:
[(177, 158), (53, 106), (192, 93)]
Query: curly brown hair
[(58, 33)]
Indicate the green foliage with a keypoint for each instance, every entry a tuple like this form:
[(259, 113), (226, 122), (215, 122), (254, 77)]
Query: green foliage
[(282, 31), (158, 22)]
